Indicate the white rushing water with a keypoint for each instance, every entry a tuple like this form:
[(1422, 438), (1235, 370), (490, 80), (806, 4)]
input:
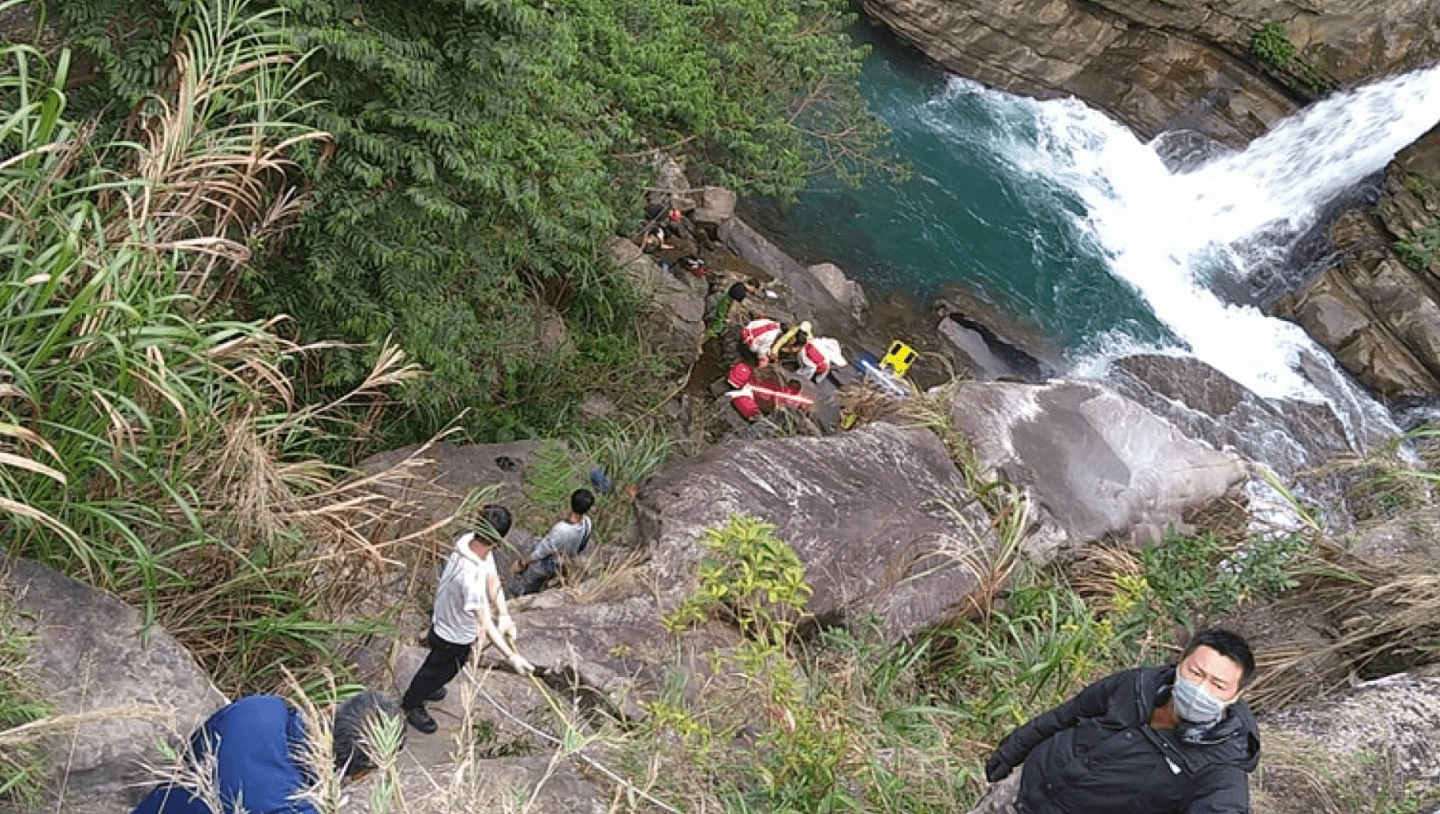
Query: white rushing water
[(1168, 235)]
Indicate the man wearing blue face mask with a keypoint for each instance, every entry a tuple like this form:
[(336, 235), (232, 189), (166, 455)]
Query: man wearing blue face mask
[(1150, 740)]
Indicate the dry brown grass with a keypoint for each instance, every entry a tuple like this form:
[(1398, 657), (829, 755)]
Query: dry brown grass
[(1292, 777), (219, 185), (1378, 622), (862, 403)]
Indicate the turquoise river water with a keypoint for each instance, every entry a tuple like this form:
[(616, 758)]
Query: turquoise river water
[(1055, 213)]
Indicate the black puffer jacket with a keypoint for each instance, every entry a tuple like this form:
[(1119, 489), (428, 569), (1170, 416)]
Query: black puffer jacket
[(1096, 754)]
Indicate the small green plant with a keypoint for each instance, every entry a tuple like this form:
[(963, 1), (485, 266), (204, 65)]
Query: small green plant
[(1195, 578), (750, 575), (1421, 251), (1300, 71), (626, 454), (1271, 46), (1040, 648), (556, 472), (1422, 187)]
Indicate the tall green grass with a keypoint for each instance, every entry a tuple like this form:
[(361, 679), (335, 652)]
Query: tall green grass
[(151, 442), (625, 453)]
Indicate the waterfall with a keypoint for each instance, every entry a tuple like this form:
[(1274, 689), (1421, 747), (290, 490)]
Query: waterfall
[(1309, 158), (1169, 235), (1052, 213)]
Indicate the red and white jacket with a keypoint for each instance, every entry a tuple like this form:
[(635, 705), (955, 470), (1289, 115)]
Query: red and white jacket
[(745, 403), (814, 364), (758, 335)]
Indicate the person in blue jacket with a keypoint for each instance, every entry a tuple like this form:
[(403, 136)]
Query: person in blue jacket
[(1173, 739), (256, 746)]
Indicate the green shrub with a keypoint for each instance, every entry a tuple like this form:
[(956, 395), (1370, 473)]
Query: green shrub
[(154, 445), (1422, 251), (627, 453), (1033, 652), (750, 576), (1422, 187), (1271, 46), (835, 723), (1301, 72), (1190, 579), (480, 167)]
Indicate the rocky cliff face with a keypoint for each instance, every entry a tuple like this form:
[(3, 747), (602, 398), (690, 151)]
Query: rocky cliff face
[(1378, 309), (1179, 65)]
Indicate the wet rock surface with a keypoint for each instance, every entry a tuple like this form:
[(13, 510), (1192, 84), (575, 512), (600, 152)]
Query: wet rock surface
[(1287, 435), (1379, 315)]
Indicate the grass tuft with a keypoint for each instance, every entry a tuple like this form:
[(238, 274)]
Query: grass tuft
[(22, 759)]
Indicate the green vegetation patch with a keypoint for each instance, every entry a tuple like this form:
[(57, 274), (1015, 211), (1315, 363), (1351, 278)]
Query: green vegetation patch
[(1270, 44), (751, 577), (1302, 72), (154, 448), (483, 154), (1421, 252)]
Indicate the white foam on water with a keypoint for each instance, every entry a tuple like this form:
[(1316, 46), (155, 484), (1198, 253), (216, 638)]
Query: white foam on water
[(1281, 178)]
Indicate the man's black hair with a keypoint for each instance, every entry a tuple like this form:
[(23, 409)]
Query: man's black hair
[(494, 523), (737, 292), (353, 722), (581, 500), (1229, 644)]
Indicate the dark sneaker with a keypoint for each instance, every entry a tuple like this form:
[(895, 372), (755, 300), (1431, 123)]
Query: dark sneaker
[(421, 720), (438, 695)]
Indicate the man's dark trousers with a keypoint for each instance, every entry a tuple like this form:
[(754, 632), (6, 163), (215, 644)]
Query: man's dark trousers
[(442, 663), (538, 575)]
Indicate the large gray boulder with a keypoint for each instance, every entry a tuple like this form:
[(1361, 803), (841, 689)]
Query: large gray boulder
[(842, 288), (1285, 434), (117, 687), (1097, 465), (880, 516), (716, 206), (426, 482), (619, 650)]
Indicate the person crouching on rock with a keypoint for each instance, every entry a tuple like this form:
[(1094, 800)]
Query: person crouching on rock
[(566, 540), (817, 356), (758, 335), (1148, 740), (468, 602), (798, 335)]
